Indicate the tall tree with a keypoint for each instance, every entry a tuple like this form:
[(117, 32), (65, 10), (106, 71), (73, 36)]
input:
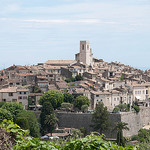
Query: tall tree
[(47, 118), (100, 118), (120, 127), (51, 122), (54, 97)]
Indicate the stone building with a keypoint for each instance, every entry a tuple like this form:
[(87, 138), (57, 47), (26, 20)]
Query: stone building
[(15, 94), (85, 56)]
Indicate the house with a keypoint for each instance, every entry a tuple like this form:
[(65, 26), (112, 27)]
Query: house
[(15, 94), (141, 91)]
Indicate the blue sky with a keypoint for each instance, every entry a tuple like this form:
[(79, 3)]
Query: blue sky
[(33, 31)]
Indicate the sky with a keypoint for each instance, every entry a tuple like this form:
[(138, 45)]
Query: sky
[(34, 31)]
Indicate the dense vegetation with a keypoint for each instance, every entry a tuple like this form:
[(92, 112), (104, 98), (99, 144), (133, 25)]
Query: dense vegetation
[(54, 97), (16, 113), (26, 142)]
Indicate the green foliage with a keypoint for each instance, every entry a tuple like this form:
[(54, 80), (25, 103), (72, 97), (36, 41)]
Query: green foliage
[(23, 140), (91, 142), (84, 108), (50, 122), (122, 108), (1, 104), (66, 106), (120, 127), (76, 133), (14, 108), (135, 137), (36, 89), (122, 77), (136, 108), (68, 98), (79, 77), (54, 97), (144, 146), (48, 119), (5, 114), (28, 120), (144, 135), (83, 131), (29, 101), (80, 101), (100, 118)]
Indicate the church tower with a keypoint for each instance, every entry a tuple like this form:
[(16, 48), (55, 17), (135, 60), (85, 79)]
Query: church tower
[(85, 56)]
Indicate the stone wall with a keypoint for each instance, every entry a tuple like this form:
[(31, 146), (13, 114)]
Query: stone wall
[(78, 120), (135, 121)]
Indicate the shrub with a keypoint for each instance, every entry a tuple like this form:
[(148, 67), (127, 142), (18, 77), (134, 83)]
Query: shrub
[(136, 108)]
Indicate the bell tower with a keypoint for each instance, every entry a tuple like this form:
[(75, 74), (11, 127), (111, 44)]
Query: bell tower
[(85, 54)]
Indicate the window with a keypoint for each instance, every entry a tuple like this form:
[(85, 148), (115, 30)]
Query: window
[(20, 97), (87, 47), (25, 97), (97, 95), (146, 91), (82, 47), (4, 100), (10, 94), (114, 99), (25, 92)]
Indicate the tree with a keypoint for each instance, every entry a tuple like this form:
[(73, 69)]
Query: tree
[(120, 127), (100, 118), (66, 106), (68, 98), (5, 114), (14, 108), (80, 101), (122, 108), (144, 135), (83, 131), (36, 89), (122, 77), (84, 108), (78, 77), (47, 118), (54, 97), (27, 120), (76, 133), (51, 122)]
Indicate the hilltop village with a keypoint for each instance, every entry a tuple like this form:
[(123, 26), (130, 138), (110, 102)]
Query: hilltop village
[(111, 83)]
